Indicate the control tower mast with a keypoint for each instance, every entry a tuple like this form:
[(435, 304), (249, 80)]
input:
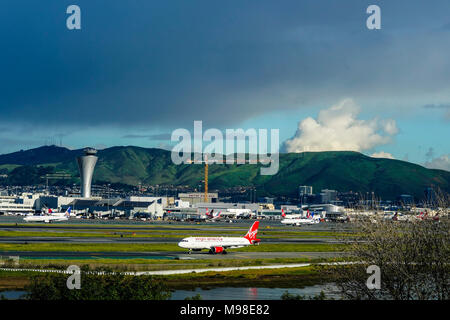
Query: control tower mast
[(86, 166)]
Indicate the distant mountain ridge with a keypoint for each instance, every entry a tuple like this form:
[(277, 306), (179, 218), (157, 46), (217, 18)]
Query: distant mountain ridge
[(339, 170), (44, 154)]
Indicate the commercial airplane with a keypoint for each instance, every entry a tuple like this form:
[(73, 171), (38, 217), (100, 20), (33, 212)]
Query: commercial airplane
[(56, 216), (390, 215), (291, 216), (50, 212), (220, 244), (241, 213), (297, 221), (425, 216), (18, 213), (211, 216), (422, 215), (398, 217), (216, 216)]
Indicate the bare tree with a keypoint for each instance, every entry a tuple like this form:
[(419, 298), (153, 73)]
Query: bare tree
[(442, 200), (412, 256)]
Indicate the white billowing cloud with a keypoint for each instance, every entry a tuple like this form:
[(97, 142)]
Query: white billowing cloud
[(382, 154), (442, 162), (389, 126), (100, 146), (339, 129)]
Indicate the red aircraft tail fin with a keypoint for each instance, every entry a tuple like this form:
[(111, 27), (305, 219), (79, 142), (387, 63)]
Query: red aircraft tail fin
[(252, 232)]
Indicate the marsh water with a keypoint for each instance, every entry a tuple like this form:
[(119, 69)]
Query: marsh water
[(240, 293), (230, 293)]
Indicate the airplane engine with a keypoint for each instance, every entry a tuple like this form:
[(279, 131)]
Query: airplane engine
[(256, 241), (218, 250)]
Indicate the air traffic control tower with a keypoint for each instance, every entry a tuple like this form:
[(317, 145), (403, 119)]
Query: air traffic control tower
[(86, 166)]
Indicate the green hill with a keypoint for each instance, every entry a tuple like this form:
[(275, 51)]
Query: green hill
[(342, 171)]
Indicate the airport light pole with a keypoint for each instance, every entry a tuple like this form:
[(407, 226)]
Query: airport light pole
[(108, 195)]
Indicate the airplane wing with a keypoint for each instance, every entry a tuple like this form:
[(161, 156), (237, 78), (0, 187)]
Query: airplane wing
[(228, 247)]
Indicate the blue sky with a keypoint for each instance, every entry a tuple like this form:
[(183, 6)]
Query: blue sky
[(139, 69)]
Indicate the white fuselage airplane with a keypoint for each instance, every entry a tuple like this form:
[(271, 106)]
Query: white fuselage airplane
[(55, 216), (291, 216), (213, 215), (297, 221), (216, 216), (46, 219), (235, 213), (220, 244), (67, 213)]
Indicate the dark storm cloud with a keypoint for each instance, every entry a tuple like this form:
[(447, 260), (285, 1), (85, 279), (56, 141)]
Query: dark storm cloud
[(163, 64)]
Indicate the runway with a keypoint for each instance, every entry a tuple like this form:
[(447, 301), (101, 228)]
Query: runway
[(109, 232), (182, 255)]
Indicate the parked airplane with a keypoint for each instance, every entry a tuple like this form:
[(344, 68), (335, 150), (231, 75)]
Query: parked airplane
[(216, 216), (49, 218), (425, 216), (397, 217), (297, 221), (291, 216), (422, 215), (211, 215), (59, 213), (19, 213), (220, 244), (238, 213)]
